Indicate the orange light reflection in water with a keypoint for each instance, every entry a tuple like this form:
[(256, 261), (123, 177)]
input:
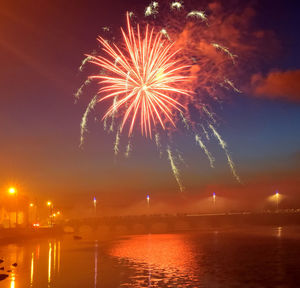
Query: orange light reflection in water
[(96, 263), (12, 280), (167, 253), (49, 262), (31, 269)]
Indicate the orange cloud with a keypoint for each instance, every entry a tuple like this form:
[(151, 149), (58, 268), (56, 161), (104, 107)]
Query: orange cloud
[(277, 84)]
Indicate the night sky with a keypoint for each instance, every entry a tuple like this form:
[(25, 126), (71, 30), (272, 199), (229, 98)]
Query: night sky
[(42, 44)]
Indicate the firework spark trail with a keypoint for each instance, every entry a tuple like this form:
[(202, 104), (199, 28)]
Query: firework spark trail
[(117, 143), (198, 14), (209, 114), (153, 78), (83, 123), (224, 147), (158, 144), (205, 132), (175, 170), (180, 157), (231, 164), (203, 147), (185, 121), (225, 50), (128, 148), (80, 90), (84, 61), (231, 84), (111, 128), (105, 124), (217, 135)]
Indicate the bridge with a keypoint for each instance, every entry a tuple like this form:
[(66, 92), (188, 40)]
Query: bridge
[(175, 223)]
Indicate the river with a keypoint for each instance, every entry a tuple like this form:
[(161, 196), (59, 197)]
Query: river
[(248, 257)]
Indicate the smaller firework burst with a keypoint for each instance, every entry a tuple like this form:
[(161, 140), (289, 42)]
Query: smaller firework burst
[(198, 15), (176, 5), (152, 9)]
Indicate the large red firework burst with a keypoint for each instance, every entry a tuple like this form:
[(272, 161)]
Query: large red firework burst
[(146, 77), (143, 78)]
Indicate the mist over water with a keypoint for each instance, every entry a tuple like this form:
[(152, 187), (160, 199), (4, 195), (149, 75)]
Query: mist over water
[(232, 257)]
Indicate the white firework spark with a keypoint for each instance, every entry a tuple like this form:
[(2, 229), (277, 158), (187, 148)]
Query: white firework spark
[(105, 28), (83, 123), (224, 147), (128, 148), (231, 85), (180, 157), (225, 50), (203, 147), (105, 123), (165, 33), (111, 128), (199, 15), (158, 144), (152, 9), (205, 132), (209, 114), (80, 90), (84, 61), (176, 5), (131, 14), (117, 143), (174, 168), (185, 122)]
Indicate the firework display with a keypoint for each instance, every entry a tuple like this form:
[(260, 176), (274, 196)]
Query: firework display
[(158, 81)]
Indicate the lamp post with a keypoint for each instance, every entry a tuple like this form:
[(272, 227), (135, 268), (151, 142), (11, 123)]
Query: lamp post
[(214, 199), (148, 200), (31, 215), (50, 205), (13, 191), (277, 199), (95, 206)]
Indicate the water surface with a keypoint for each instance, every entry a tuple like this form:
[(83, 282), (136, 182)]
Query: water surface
[(252, 257)]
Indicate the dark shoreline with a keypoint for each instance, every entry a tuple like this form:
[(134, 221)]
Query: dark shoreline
[(14, 235)]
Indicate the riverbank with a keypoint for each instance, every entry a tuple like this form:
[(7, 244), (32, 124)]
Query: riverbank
[(21, 234)]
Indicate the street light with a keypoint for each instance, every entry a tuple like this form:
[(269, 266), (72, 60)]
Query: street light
[(50, 205), (214, 198), (148, 200), (277, 199), (95, 205), (13, 191), (32, 213)]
